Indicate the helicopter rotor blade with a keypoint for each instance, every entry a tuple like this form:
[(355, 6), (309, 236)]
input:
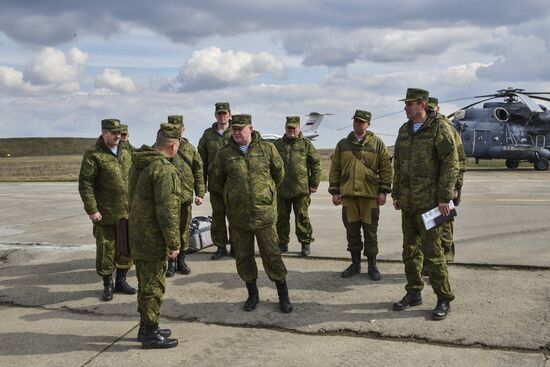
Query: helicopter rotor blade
[(473, 104), (529, 93), (542, 98)]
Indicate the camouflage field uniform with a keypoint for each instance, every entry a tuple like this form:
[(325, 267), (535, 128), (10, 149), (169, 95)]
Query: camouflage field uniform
[(103, 187), (425, 168), (248, 183), (209, 145), (447, 229), (189, 165), (359, 184), (302, 171), (155, 194)]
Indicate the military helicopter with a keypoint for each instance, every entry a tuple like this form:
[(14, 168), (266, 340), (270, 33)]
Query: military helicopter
[(514, 127)]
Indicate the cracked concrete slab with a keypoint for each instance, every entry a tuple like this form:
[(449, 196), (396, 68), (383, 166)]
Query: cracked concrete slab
[(486, 311), (37, 337)]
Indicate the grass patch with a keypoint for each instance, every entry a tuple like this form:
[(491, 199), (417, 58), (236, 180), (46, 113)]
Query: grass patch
[(40, 169)]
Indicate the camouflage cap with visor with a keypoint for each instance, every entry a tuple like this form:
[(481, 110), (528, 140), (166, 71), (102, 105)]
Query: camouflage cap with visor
[(223, 107), (170, 131), (292, 121), (362, 115), (123, 129), (416, 94), (241, 120), (433, 102), (113, 125), (176, 120)]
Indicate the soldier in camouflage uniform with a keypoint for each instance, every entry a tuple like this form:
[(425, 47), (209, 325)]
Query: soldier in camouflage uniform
[(302, 175), (246, 173), (212, 140), (426, 168), (103, 187), (360, 178), (189, 165), (154, 229), (125, 137)]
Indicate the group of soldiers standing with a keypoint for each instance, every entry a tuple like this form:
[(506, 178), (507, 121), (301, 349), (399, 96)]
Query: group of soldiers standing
[(255, 185)]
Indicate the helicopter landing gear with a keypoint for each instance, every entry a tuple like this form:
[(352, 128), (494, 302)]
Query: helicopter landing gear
[(540, 164), (512, 163)]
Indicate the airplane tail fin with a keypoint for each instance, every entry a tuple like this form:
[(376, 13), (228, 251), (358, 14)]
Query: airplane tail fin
[(313, 122)]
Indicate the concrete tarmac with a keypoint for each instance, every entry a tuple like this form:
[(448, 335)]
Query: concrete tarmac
[(52, 315)]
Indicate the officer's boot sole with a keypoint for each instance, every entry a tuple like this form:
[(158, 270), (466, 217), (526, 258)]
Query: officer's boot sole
[(164, 344)]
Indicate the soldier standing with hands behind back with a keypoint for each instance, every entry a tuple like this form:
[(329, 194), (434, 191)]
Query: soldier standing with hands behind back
[(426, 167), (103, 187), (302, 175), (154, 229), (360, 178)]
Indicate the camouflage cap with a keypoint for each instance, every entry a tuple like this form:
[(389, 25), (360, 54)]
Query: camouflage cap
[(416, 94), (292, 121), (362, 115), (222, 107), (112, 125), (170, 131), (176, 120), (123, 129), (433, 102), (241, 120)]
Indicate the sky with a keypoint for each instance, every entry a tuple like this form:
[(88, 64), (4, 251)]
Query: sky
[(66, 65)]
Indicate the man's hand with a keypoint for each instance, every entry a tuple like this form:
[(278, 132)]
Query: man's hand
[(95, 217), (444, 208), (198, 201), (396, 205), (336, 199), (381, 199), (173, 254), (312, 190), (455, 194)]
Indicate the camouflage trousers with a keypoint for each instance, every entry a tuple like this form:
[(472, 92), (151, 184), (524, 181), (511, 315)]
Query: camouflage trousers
[(447, 241), (361, 213), (269, 252), (300, 205), (219, 227), (106, 260), (418, 243), (185, 219), (151, 288)]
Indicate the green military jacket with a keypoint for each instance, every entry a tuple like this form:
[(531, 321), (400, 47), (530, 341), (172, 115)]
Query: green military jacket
[(425, 165), (189, 165), (462, 160), (361, 169), (248, 182), (129, 146), (155, 193), (103, 182), (302, 166), (210, 144)]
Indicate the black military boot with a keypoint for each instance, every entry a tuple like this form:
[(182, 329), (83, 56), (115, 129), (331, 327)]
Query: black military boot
[(410, 299), (232, 251), (152, 339), (220, 252), (355, 267), (171, 268), (181, 266), (253, 296), (283, 248), (441, 310), (121, 285), (284, 300), (164, 332), (373, 272), (305, 249), (107, 288)]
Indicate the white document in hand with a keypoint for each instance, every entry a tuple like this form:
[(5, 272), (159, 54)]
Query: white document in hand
[(429, 217)]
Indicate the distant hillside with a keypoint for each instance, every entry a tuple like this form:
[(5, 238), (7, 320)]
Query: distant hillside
[(39, 147)]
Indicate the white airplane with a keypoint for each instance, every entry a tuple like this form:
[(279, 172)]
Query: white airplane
[(309, 129)]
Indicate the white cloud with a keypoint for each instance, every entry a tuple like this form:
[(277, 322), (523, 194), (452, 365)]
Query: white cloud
[(113, 80), (212, 68)]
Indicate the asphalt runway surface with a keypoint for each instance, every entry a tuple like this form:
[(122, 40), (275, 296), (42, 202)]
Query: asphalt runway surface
[(504, 218)]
